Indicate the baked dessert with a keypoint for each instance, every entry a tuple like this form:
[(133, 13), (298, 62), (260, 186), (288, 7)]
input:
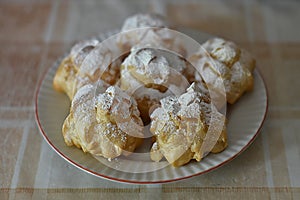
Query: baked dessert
[(151, 74), (187, 127), (226, 68), (152, 82), (103, 121), (86, 63), (149, 30)]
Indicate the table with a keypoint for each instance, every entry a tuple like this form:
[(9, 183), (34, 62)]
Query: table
[(35, 33)]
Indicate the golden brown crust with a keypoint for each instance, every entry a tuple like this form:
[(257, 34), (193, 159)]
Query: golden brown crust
[(146, 106), (94, 127), (183, 128), (75, 71), (64, 78), (225, 68)]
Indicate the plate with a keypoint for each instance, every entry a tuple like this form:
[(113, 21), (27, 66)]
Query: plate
[(245, 118)]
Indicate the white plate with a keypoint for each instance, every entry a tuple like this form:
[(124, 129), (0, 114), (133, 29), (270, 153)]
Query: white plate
[(245, 119)]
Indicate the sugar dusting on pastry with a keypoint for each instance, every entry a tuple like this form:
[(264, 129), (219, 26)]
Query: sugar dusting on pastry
[(186, 106), (154, 64), (121, 108), (143, 20), (149, 29), (225, 67), (106, 120), (180, 126), (97, 132), (87, 62), (78, 47)]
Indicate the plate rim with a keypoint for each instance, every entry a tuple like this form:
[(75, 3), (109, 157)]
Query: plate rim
[(99, 175)]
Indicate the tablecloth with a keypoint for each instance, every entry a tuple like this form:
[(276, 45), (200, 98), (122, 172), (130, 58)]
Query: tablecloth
[(33, 34)]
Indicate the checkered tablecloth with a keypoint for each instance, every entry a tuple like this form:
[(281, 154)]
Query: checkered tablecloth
[(33, 34)]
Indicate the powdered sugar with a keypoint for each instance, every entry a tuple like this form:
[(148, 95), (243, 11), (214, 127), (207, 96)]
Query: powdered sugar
[(188, 105), (121, 107), (149, 30), (113, 98), (170, 104), (99, 58), (82, 45), (143, 20), (225, 68), (81, 94), (83, 103), (103, 135), (154, 65)]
